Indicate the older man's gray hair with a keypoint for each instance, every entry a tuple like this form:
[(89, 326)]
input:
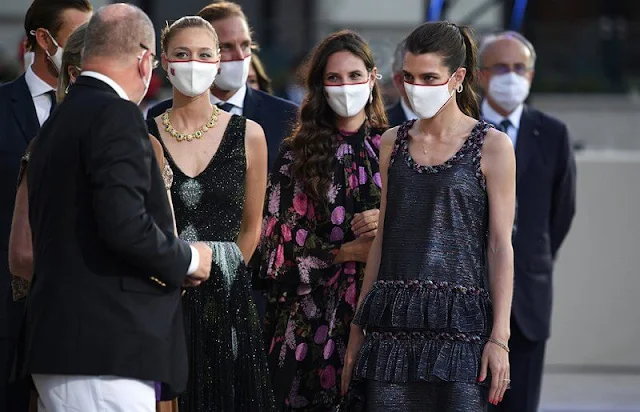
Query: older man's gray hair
[(398, 56), (489, 40), (118, 31)]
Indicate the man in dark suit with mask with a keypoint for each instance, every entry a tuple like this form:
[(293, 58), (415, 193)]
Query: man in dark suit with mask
[(103, 322), (230, 92), (546, 192), (401, 111)]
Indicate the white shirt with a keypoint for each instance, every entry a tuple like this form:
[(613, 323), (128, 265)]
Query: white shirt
[(408, 111), (496, 118), (237, 100), (109, 81), (39, 89), (195, 256)]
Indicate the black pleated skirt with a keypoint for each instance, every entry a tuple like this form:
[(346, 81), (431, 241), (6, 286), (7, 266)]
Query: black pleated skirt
[(426, 397)]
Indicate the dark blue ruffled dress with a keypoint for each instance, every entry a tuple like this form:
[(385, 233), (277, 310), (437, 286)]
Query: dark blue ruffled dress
[(429, 313)]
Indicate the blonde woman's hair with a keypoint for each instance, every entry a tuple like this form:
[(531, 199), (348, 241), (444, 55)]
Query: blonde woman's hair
[(72, 56), (187, 22)]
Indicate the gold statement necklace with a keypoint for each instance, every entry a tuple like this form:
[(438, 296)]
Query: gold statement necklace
[(198, 134)]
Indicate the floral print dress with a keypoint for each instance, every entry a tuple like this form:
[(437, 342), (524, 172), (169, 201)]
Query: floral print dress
[(311, 300)]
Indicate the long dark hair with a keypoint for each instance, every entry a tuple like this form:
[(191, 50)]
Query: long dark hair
[(458, 49), (314, 142)]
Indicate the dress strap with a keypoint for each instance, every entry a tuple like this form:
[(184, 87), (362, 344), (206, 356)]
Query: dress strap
[(235, 132), (476, 141), (403, 134)]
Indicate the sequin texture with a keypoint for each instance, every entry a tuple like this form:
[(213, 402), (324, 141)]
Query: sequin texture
[(429, 312), (227, 363)]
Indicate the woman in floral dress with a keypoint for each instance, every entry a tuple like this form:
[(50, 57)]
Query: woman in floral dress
[(320, 220)]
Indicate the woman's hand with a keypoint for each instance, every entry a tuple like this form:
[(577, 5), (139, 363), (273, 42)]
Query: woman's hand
[(365, 223), (356, 340), (496, 359)]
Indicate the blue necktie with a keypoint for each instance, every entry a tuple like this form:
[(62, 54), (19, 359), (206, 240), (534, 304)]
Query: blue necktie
[(52, 96), (504, 125), (225, 106)]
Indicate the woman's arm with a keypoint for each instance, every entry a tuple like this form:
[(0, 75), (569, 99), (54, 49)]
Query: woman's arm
[(255, 188), (499, 168), (20, 246), (373, 261), (356, 336), (498, 165)]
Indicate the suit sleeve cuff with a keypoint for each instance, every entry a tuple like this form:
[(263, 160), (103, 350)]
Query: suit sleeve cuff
[(195, 261)]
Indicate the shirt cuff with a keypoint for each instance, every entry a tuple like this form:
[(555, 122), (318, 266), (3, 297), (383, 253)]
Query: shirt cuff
[(195, 261)]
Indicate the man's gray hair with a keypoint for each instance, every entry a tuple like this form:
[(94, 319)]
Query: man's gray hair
[(117, 31), (489, 40), (398, 56)]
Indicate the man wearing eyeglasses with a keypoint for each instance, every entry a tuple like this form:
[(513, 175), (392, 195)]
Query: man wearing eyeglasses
[(545, 190), (103, 325)]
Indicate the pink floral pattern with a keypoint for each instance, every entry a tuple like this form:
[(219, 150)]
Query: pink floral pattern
[(311, 299)]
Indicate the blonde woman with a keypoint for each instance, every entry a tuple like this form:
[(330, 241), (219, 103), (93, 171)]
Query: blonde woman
[(219, 162)]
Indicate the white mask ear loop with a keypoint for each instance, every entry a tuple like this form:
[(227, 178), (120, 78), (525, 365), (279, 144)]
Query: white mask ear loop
[(378, 76)]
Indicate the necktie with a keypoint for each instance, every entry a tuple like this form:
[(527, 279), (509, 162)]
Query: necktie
[(505, 125), (225, 106), (52, 96)]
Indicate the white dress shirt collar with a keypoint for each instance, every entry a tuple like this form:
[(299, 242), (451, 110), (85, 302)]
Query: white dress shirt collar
[(408, 112), (109, 81), (237, 100), (37, 86), (39, 90), (491, 116)]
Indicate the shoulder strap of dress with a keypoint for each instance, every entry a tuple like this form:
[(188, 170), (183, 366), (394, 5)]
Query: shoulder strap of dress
[(477, 137), (401, 138), (235, 132)]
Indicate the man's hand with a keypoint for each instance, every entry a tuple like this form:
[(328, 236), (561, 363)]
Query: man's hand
[(204, 268)]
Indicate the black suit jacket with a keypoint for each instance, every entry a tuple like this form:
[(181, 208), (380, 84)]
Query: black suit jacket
[(105, 297), (395, 114), (276, 116), (546, 193), (18, 125)]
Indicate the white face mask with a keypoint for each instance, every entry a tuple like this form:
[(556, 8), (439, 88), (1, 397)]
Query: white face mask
[(56, 59), (28, 59), (348, 99), (426, 101), (192, 78), (233, 74), (509, 90)]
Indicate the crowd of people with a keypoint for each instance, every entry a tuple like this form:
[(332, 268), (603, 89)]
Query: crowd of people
[(237, 252)]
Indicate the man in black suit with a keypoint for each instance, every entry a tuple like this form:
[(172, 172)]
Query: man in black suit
[(230, 92), (104, 310), (401, 111), (546, 191), (25, 104)]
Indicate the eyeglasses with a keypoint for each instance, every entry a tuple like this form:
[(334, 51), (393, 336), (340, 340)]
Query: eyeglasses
[(154, 60), (500, 68)]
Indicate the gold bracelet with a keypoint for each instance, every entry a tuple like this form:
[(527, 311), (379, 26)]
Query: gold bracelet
[(497, 342)]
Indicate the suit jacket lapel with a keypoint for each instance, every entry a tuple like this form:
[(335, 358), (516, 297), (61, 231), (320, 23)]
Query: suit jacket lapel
[(24, 109), (251, 106), (526, 141)]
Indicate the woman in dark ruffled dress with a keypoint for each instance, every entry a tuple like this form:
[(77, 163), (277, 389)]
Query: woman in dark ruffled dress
[(320, 220), (436, 296)]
